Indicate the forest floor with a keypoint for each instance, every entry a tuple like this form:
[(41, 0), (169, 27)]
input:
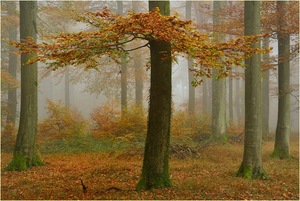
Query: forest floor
[(210, 175)]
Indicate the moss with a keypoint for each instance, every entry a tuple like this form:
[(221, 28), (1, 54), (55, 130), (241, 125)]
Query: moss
[(281, 153), (18, 163), (222, 139), (250, 172), (153, 182), (21, 163)]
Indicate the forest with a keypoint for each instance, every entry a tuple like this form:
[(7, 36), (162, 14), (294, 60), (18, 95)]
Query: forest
[(134, 100)]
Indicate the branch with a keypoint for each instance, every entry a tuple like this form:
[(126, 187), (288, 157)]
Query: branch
[(128, 50)]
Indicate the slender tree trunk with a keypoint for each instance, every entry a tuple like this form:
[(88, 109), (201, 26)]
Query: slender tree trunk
[(123, 72), (139, 83), (138, 70), (237, 101), (155, 172), (205, 96), (67, 87), (218, 124), (251, 166), (191, 107), (12, 69), (283, 129), (230, 100), (265, 94), (25, 155)]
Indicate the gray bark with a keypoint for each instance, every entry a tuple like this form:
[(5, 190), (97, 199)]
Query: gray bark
[(12, 69), (191, 106), (266, 90), (251, 166), (123, 71), (283, 129), (218, 124), (25, 155)]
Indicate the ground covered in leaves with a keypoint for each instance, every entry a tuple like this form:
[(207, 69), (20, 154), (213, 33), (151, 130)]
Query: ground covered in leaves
[(208, 175)]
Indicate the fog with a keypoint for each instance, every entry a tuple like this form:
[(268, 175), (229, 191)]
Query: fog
[(52, 85)]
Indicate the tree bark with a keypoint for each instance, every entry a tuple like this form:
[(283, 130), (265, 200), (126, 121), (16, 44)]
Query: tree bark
[(138, 70), (155, 172), (251, 166), (283, 129), (237, 101), (218, 124), (265, 94), (230, 100), (25, 155), (67, 87), (12, 69), (191, 106), (123, 71)]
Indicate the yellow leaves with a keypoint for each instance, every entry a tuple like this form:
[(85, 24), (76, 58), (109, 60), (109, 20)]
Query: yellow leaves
[(115, 32)]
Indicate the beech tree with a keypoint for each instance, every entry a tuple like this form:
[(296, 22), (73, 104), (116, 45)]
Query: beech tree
[(251, 166), (191, 107), (283, 129), (168, 37), (218, 116), (25, 155)]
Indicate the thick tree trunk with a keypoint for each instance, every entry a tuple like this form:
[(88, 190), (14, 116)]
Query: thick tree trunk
[(251, 166), (25, 155), (283, 129), (191, 107), (218, 124), (155, 172), (265, 94), (12, 69)]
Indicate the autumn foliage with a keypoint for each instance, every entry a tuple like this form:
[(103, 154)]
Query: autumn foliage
[(211, 176), (62, 123), (109, 123), (114, 33)]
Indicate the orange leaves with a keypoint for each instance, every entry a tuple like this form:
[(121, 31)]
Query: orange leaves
[(211, 176), (116, 32), (61, 123)]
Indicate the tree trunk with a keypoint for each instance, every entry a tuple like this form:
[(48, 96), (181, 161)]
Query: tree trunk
[(283, 129), (230, 100), (218, 124), (123, 72), (265, 94), (155, 172), (237, 101), (67, 87), (12, 69), (191, 107), (251, 166), (138, 70), (25, 155)]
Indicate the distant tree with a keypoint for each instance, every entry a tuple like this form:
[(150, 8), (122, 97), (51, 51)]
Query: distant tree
[(12, 69), (251, 166), (123, 71), (191, 107), (283, 129), (266, 90), (138, 70), (25, 155), (218, 116)]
